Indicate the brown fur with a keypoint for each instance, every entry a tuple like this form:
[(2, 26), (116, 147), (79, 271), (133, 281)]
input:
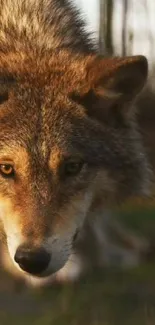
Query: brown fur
[(61, 102)]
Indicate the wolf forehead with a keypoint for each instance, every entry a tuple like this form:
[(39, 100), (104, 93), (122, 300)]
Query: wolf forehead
[(60, 69), (39, 92)]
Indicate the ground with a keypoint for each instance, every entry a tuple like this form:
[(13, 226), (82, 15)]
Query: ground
[(105, 297)]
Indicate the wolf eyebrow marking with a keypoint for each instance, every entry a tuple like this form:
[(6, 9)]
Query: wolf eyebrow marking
[(6, 83)]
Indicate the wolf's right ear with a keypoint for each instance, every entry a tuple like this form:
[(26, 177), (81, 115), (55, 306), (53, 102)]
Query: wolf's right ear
[(6, 83)]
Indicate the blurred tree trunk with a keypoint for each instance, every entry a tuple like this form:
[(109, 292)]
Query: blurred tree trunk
[(124, 27), (105, 31)]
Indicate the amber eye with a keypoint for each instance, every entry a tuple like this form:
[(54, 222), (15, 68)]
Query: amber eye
[(7, 170), (72, 168)]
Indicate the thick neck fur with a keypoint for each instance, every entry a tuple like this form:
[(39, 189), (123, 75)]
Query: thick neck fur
[(42, 24)]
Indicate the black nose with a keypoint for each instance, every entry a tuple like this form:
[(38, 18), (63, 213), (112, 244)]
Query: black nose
[(33, 261)]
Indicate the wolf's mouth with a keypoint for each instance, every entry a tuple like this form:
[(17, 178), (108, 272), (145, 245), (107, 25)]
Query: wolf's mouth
[(76, 236)]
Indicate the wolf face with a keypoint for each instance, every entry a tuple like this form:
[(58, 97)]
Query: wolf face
[(68, 143)]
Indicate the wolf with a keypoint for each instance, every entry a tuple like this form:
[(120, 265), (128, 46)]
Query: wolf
[(69, 141)]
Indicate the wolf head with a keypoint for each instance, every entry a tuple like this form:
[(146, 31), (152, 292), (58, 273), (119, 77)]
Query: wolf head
[(68, 142)]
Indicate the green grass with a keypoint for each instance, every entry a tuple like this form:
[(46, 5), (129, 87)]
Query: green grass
[(107, 297)]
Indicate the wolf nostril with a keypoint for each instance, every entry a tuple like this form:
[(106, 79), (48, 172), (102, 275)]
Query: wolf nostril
[(33, 261)]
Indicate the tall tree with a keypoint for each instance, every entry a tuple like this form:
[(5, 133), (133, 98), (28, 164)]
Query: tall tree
[(124, 27), (105, 31)]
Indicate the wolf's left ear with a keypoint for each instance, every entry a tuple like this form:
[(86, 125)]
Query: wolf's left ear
[(114, 80), (123, 77)]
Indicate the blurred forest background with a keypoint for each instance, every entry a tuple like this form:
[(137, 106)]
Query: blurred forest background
[(113, 295), (127, 27)]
